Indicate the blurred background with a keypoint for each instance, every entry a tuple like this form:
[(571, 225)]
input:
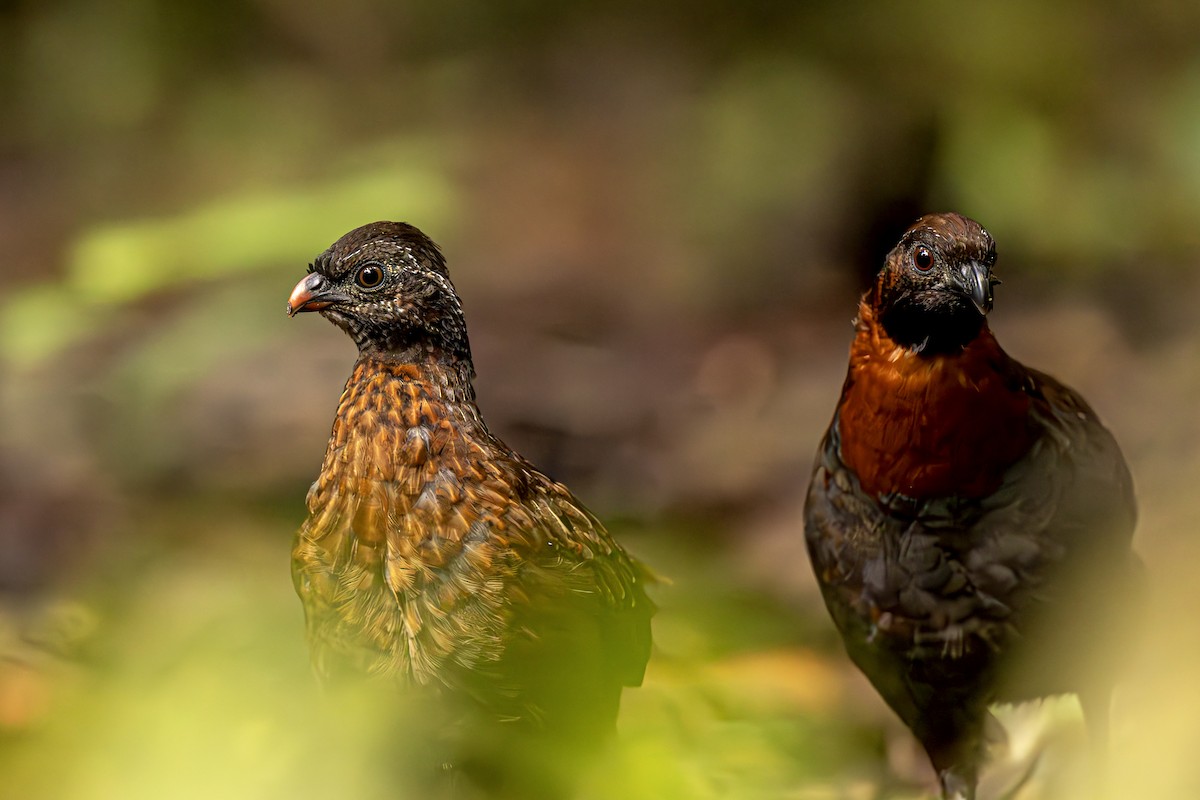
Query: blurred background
[(659, 220)]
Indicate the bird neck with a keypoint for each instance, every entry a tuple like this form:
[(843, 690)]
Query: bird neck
[(444, 347), (394, 415), (450, 372), (930, 425)]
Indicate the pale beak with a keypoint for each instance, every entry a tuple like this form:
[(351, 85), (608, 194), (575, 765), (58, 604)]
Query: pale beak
[(310, 294)]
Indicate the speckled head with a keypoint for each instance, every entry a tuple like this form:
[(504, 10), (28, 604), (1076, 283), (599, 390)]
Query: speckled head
[(387, 286), (935, 287)]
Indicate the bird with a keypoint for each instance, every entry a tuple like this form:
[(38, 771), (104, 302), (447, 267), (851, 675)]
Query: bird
[(436, 558), (969, 519)]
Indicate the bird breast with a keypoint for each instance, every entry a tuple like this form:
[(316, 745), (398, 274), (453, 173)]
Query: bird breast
[(931, 426), (407, 546)]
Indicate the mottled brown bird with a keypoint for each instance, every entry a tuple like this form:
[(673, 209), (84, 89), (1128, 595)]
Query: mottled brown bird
[(969, 519), (434, 554)]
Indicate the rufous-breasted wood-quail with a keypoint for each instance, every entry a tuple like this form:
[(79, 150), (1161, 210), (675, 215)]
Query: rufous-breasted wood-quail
[(969, 519)]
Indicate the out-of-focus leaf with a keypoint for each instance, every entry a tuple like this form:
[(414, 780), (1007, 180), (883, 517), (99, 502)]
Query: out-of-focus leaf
[(252, 232), (122, 262)]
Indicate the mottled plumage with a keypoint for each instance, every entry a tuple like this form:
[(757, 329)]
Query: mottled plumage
[(969, 519), (435, 555)]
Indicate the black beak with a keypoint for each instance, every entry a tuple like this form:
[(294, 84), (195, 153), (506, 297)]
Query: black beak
[(311, 294), (975, 280)]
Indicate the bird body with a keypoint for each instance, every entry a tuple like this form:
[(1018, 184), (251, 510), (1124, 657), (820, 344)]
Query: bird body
[(433, 554), (968, 516)]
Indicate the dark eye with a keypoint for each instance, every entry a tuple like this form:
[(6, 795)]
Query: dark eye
[(369, 276), (922, 259)]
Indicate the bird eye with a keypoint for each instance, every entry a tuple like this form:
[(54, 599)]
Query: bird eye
[(922, 259), (369, 276)]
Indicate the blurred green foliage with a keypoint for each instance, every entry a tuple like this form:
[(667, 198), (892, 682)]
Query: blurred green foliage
[(238, 235)]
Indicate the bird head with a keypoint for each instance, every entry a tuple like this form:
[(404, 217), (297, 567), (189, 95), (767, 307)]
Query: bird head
[(935, 287), (386, 285)]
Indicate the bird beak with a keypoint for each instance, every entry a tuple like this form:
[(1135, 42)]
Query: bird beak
[(310, 294), (975, 281)]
